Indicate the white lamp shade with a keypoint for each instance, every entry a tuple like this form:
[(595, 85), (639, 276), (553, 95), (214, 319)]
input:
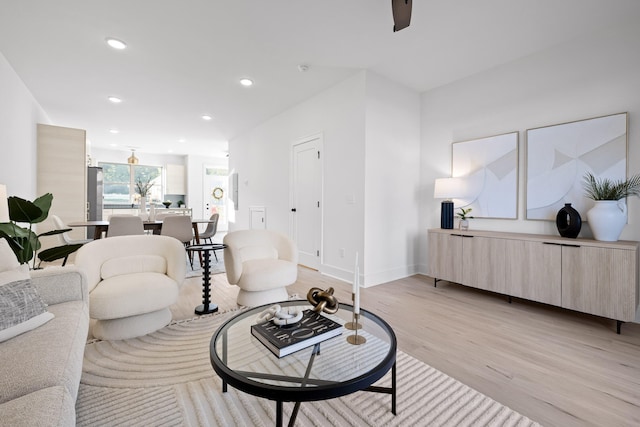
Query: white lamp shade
[(4, 204), (449, 188)]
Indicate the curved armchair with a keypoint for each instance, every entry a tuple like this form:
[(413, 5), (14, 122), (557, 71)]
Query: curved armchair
[(132, 282), (262, 263)]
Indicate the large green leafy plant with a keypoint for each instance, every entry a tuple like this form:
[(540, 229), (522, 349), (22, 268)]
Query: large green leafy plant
[(24, 242)]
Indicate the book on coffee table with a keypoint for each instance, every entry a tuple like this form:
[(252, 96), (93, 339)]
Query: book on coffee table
[(284, 340)]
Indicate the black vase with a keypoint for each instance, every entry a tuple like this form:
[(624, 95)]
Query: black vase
[(568, 221)]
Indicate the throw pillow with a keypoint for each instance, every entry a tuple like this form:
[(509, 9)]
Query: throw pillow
[(8, 260), (21, 307)]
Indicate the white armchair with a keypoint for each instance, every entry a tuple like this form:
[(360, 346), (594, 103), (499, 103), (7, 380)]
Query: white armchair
[(262, 263), (132, 282)]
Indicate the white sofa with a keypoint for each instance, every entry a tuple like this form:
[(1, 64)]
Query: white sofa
[(132, 282), (262, 263), (41, 368)]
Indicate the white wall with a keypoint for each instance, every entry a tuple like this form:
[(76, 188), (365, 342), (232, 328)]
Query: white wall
[(392, 176), (261, 158), (371, 137), (590, 76), (19, 115)]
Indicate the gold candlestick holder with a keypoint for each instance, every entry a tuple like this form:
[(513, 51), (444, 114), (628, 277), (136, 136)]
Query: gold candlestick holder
[(355, 339), (353, 325)]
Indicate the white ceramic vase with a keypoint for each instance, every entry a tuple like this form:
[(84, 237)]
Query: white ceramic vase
[(143, 205), (607, 219)]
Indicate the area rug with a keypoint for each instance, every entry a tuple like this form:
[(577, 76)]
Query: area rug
[(166, 379)]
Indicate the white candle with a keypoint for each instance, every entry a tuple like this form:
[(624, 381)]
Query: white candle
[(356, 281), (356, 303), (355, 277)]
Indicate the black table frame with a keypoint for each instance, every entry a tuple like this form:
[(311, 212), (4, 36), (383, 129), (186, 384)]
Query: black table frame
[(207, 306), (323, 389)]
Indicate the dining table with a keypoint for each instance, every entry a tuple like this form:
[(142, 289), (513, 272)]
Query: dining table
[(154, 226)]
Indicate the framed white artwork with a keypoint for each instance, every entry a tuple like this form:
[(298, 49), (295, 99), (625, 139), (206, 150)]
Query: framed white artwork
[(487, 168), (559, 156)]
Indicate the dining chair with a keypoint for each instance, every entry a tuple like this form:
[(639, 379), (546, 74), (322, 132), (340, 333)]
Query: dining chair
[(179, 227), (125, 225), (64, 238), (212, 228)]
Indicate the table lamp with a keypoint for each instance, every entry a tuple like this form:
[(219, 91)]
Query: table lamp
[(4, 204), (448, 189)]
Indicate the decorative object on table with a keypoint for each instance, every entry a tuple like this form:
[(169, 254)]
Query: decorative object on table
[(568, 221), (558, 157), (167, 203), (143, 185), (282, 340), (279, 317), (181, 204), (354, 325), (609, 215), (323, 300), (487, 169), (24, 242), (464, 217)]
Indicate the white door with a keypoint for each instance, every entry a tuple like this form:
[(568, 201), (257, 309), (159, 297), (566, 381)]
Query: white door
[(216, 194), (306, 200)]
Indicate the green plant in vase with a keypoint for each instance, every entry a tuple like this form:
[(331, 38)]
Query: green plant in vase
[(24, 242), (609, 215), (464, 217)]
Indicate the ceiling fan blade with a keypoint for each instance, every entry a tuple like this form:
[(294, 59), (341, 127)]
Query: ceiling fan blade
[(401, 14)]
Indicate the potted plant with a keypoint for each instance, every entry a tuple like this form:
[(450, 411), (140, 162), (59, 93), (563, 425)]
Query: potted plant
[(609, 215), (464, 217), (24, 242), (143, 186)]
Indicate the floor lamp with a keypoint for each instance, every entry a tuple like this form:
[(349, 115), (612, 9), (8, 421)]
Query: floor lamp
[(448, 189)]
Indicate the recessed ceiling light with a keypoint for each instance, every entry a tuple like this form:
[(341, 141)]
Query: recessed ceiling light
[(206, 117), (114, 131), (113, 145), (182, 140), (246, 82), (115, 99), (116, 44), (170, 151)]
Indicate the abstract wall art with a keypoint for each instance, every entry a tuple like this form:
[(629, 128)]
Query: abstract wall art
[(488, 169), (558, 157)]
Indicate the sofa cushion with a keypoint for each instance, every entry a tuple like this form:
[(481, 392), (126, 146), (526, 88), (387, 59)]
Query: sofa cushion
[(264, 274), (138, 293), (48, 356), (21, 307), (51, 406), (133, 264)]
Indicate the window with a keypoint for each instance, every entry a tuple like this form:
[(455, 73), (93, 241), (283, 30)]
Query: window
[(120, 183)]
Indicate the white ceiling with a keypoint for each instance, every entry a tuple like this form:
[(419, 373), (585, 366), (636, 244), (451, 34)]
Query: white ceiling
[(185, 57)]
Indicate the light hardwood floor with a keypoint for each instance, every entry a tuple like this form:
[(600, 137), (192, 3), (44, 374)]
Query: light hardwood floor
[(558, 367)]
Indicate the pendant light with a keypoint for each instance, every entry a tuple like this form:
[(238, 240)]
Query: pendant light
[(133, 160)]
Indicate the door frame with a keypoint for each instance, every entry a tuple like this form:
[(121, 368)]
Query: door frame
[(292, 217)]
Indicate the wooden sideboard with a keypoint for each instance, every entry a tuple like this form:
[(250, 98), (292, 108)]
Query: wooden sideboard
[(589, 276)]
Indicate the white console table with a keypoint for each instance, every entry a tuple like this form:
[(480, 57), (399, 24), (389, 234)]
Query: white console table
[(589, 276)]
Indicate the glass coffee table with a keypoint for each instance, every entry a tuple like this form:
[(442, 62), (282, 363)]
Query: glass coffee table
[(330, 369)]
